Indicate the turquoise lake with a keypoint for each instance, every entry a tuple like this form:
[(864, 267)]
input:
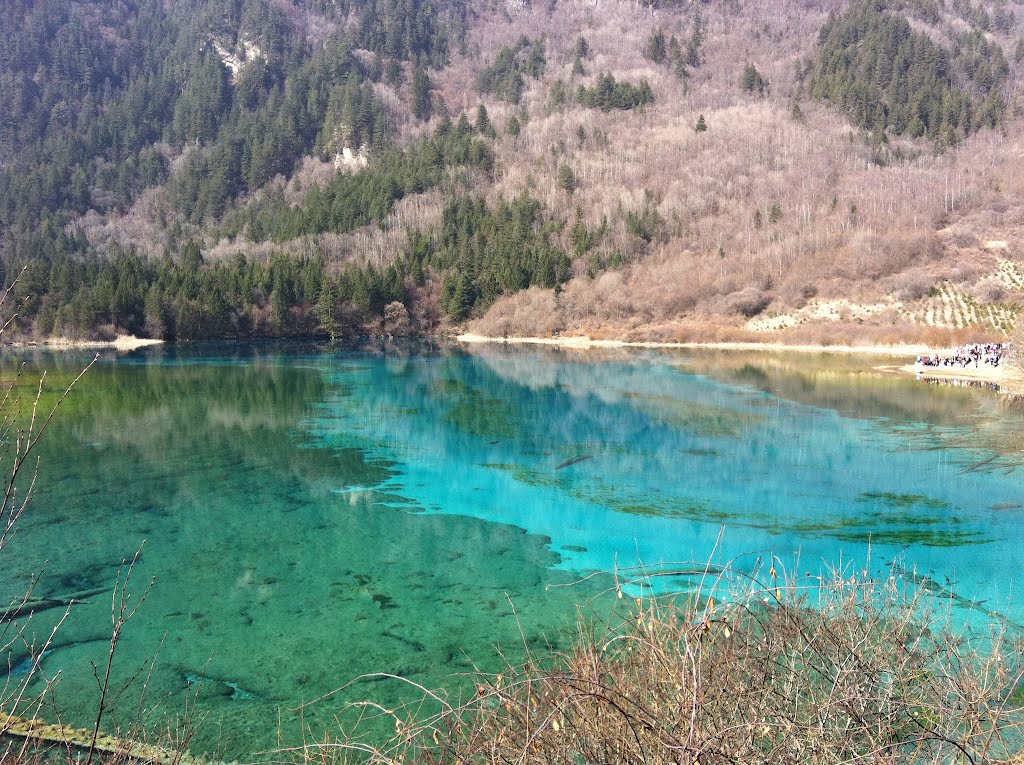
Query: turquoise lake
[(309, 514)]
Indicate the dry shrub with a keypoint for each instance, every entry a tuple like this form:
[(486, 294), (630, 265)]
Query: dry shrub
[(990, 290), (1018, 343), (841, 669), (913, 284), (963, 238), (747, 302), (875, 256), (313, 171), (138, 227), (796, 293), (706, 329), (396, 319), (882, 329), (533, 312), (951, 337), (964, 272)]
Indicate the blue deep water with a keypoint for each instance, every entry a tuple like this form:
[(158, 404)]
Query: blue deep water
[(309, 515)]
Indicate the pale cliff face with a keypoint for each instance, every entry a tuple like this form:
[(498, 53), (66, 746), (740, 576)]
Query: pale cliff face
[(351, 160), (238, 55)]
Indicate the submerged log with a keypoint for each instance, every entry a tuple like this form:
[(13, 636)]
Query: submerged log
[(574, 461), (62, 735), (38, 605)]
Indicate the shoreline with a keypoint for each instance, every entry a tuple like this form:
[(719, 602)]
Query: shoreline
[(1008, 377), (583, 342), (120, 343)]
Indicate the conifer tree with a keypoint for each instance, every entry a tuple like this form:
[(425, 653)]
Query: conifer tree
[(421, 102), (483, 122), (693, 46), (567, 180), (655, 49), (326, 303), (752, 81), (676, 59)]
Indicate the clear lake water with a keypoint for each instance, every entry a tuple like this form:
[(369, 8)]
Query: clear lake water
[(309, 515)]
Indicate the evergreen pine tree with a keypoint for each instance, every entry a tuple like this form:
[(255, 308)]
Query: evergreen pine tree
[(535, 64), (752, 82), (567, 180), (421, 102), (460, 301), (655, 49), (693, 46), (325, 308), (483, 122), (155, 314)]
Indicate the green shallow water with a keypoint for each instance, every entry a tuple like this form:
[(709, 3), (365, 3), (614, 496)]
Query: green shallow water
[(311, 515), (270, 587)]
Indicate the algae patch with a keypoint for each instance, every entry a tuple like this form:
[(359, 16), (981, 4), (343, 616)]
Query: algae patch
[(528, 476), (476, 413), (903, 500), (921, 520), (701, 419)]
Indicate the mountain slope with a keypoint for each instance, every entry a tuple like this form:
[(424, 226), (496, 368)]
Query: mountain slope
[(720, 169)]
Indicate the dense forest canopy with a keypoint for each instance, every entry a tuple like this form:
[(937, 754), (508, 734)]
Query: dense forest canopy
[(506, 77), (101, 94), (320, 167), (100, 98), (893, 80)]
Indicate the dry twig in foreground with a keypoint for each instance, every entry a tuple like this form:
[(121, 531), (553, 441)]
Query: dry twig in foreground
[(852, 670)]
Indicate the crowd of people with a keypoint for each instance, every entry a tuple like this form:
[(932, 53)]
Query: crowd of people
[(975, 354)]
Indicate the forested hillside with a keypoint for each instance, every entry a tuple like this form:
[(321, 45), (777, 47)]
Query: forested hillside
[(893, 81), (664, 170)]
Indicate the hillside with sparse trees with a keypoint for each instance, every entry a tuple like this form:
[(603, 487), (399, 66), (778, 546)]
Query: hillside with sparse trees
[(805, 170)]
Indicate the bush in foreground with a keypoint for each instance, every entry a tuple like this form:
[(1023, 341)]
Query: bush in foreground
[(849, 670)]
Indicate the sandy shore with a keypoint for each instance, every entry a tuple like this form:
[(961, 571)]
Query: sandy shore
[(900, 351), (120, 343), (1007, 376)]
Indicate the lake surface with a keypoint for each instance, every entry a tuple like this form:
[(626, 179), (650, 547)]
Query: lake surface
[(311, 514)]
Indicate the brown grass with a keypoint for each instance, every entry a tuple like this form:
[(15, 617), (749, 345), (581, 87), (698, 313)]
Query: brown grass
[(755, 670)]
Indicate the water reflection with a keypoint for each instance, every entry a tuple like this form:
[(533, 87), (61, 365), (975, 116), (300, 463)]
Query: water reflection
[(311, 514), (275, 582)]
